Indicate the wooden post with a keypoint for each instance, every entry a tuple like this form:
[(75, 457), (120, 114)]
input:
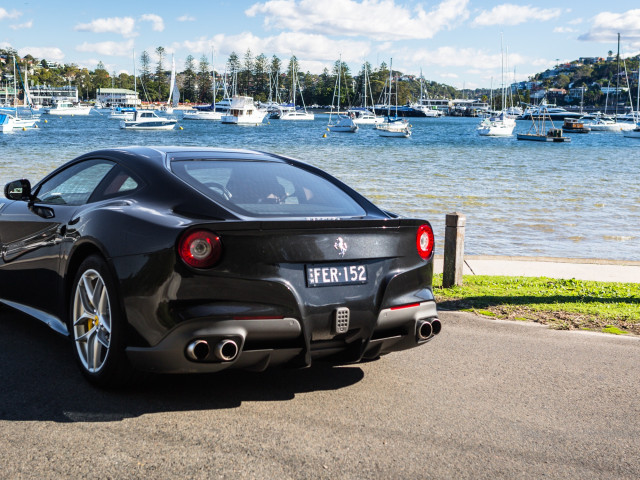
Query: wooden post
[(453, 249)]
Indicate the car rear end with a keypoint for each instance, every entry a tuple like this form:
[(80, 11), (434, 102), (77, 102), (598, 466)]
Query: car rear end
[(288, 282)]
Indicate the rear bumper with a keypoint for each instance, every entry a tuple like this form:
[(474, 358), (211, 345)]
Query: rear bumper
[(268, 342)]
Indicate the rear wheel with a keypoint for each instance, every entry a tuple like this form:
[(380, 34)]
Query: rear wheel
[(97, 326)]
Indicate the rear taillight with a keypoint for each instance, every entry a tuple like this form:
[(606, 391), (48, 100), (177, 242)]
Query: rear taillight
[(200, 248), (424, 241)]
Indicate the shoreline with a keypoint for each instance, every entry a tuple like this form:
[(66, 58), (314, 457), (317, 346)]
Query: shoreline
[(591, 269)]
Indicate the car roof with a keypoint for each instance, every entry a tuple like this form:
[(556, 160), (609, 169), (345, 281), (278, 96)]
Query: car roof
[(162, 152)]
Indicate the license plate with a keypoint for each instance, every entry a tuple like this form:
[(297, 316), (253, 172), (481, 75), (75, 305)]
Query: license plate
[(335, 274)]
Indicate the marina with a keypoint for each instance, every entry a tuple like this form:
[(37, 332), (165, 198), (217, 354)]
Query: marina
[(577, 199)]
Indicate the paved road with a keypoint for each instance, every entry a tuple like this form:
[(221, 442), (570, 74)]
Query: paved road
[(486, 399)]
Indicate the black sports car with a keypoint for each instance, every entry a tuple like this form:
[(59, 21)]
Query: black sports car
[(179, 259)]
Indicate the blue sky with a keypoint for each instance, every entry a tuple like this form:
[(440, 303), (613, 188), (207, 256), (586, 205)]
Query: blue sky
[(453, 41)]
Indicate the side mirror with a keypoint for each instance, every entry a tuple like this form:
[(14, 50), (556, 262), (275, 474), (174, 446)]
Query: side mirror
[(18, 190)]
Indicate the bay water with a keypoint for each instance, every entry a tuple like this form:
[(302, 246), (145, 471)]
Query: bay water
[(575, 200)]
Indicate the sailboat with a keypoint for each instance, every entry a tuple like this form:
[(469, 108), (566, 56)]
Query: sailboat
[(342, 123), (393, 127), (168, 108), (363, 115), (424, 105), (501, 124), (14, 113), (215, 111), (296, 113)]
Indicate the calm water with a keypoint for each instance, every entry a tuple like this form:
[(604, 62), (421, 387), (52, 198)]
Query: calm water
[(578, 200)]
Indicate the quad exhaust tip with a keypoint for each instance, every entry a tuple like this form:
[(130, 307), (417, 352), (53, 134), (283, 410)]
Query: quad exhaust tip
[(426, 329), (198, 350), (226, 350)]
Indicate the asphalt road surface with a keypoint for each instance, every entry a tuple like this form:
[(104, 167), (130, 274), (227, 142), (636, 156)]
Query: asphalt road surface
[(485, 399)]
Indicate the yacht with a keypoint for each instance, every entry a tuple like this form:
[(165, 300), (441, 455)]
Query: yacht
[(364, 116), (148, 120), (549, 111), (243, 112), (65, 107)]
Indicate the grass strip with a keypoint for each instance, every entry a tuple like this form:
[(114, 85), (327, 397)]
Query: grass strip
[(560, 303)]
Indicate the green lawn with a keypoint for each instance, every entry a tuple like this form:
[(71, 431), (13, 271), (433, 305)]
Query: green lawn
[(562, 304)]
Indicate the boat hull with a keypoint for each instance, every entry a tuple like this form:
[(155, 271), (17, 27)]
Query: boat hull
[(542, 138), (69, 112)]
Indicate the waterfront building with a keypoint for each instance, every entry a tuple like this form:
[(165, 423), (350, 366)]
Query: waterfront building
[(46, 95), (117, 97)]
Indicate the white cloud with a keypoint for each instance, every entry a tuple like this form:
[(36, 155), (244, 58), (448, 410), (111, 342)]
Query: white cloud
[(509, 14), (314, 49), (48, 53), (121, 25), (113, 49), (186, 18), (156, 20), (20, 26), (606, 26), (564, 30), (12, 14), (576, 21), (369, 18)]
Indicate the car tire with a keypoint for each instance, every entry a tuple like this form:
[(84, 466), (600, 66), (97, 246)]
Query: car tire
[(97, 326)]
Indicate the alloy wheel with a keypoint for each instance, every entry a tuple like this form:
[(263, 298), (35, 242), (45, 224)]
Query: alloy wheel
[(92, 321)]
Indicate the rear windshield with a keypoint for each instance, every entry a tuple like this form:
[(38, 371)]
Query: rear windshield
[(267, 189)]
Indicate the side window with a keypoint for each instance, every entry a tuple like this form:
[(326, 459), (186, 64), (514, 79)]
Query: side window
[(74, 185)]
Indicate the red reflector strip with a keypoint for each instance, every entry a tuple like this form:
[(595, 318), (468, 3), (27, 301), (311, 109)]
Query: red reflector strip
[(410, 305), (258, 318)]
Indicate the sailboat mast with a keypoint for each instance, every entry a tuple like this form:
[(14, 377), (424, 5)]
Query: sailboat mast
[(391, 90), (618, 79), (339, 68), (213, 83)]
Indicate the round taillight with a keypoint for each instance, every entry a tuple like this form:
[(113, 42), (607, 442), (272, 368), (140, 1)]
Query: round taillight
[(200, 248), (424, 241)]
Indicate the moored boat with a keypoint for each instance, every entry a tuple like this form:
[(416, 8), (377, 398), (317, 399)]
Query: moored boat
[(6, 123), (635, 133), (538, 132), (242, 111), (148, 120), (572, 125), (66, 108)]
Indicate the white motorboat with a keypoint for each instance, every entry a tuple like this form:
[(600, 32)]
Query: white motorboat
[(298, 114), (204, 114), (66, 108), (6, 122), (242, 111), (364, 116), (148, 120), (606, 124), (122, 113)]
